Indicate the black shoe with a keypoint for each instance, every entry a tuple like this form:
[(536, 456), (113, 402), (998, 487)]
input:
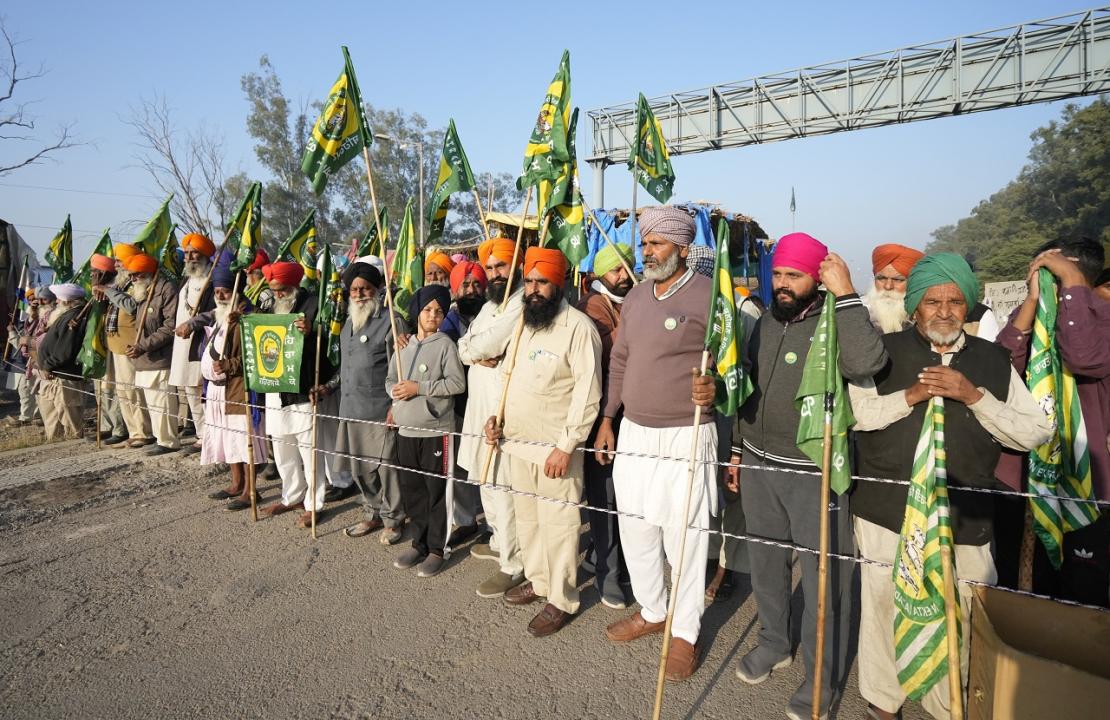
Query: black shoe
[(190, 449), (114, 440), (159, 450), (220, 495), (461, 535), (237, 504), (188, 431), (334, 494), (271, 472)]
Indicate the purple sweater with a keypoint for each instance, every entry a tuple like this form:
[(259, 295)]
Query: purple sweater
[(1083, 334), (658, 342)]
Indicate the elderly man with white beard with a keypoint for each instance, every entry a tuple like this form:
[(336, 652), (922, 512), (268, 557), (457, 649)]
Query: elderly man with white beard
[(195, 296), (221, 364), (366, 347), (152, 301), (885, 301), (60, 399), (120, 331)]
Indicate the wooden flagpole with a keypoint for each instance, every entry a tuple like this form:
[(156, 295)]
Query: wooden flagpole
[(99, 415), (516, 249), (514, 343), (481, 215), (823, 559), (250, 452), (489, 199), (609, 240), (315, 383), (676, 581), (385, 274), (234, 306), (951, 607), (140, 319)]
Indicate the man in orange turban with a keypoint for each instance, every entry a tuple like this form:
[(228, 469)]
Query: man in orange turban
[(122, 251), (150, 300), (437, 269), (194, 297), (499, 247), (891, 265), (555, 391)]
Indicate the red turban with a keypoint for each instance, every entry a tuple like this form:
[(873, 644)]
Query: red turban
[(801, 252), (141, 263), (122, 251), (198, 242), (260, 259), (465, 269), (550, 263), (103, 263), (499, 247), (901, 257), (441, 259), (283, 273)]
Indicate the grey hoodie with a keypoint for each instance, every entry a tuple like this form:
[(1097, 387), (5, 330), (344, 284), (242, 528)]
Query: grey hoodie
[(434, 364)]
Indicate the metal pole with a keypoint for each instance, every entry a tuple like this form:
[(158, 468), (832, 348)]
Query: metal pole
[(599, 184)]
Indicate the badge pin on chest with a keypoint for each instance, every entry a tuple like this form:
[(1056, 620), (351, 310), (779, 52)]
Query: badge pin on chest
[(670, 323), (362, 338), (422, 368)]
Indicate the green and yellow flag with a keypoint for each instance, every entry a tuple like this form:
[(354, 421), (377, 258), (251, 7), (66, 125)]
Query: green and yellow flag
[(723, 333), (247, 229), (154, 235), (84, 275), (301, 247), (272, 352), (823, 387), (59, 254), (454, 176), (341, 131), (170, 262), (648, 158), (547, 148), (920, 630), (1060, 468), (407, 271), (331, 310), (370, 244), (563, 199), (93, 355)]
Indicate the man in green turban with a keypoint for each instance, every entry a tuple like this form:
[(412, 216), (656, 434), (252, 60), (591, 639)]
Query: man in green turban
[(986, 407), (602, 302)]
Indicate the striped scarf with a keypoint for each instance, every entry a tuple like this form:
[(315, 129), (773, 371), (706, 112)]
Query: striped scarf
[(1061, 466), (920, 640)]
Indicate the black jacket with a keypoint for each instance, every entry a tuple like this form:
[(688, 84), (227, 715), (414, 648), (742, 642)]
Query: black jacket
[(60, 346)]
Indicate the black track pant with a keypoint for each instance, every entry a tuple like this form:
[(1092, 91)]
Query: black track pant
[(424, 495)]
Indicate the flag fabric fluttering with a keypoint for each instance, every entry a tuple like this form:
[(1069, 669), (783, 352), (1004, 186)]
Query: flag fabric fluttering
[(547, 149), (59, 254), (103, 247), (247, 229), (920, 630), (1061, 467), (301, 247), (331, 313), (454, 176), (648, 158), (341, 131), (723, 333), (821, 381), (407, 271), (370, 244), (93, 355), (154, 235), (563, 199), (171, 262)]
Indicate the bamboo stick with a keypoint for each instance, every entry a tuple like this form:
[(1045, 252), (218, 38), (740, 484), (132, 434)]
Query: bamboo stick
[(624, 264), (823, 561), (516, 249), (481, 215), (385, 265), (315, 384)]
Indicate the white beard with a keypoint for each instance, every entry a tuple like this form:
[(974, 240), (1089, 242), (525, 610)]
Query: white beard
[(60, 309), (284, 305), (139, 289), (361, 312), (222, 310), (196, 271), (664, 270), (122, 278), (887, 308)]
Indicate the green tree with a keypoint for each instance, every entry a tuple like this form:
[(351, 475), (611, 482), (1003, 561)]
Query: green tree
[(1064, 191)]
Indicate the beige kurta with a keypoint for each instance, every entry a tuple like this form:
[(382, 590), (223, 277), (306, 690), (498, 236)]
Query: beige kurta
[(183, 371)]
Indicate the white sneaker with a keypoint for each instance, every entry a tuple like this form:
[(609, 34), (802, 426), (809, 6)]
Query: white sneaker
[(757, 666)]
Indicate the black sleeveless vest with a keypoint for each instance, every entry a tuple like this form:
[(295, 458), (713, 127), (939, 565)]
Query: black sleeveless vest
[(971, 451)]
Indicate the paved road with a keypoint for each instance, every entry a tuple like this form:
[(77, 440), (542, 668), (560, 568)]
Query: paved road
[(126, 593)]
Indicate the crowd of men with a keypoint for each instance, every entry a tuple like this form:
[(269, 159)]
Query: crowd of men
[(601, 391)]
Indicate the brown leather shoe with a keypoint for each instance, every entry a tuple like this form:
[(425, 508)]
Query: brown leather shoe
[(682, 660), (548, 622), (521, 595), (632, 627), (277, 509)]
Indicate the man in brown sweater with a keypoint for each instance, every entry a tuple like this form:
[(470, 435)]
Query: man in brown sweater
[(661, 338), (602, 303)]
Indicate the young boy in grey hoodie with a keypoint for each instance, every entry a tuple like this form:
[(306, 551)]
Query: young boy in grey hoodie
[(423, 410)]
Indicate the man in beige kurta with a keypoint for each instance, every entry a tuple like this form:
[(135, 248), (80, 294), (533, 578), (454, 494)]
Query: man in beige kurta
[(554, 396)]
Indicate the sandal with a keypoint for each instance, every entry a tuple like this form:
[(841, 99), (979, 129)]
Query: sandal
[(363, 528), (221, 495)]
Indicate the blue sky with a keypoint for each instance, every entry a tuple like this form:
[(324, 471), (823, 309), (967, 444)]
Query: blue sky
[(487, 65)]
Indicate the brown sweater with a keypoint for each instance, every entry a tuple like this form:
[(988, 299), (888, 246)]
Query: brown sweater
[(659, 341)]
